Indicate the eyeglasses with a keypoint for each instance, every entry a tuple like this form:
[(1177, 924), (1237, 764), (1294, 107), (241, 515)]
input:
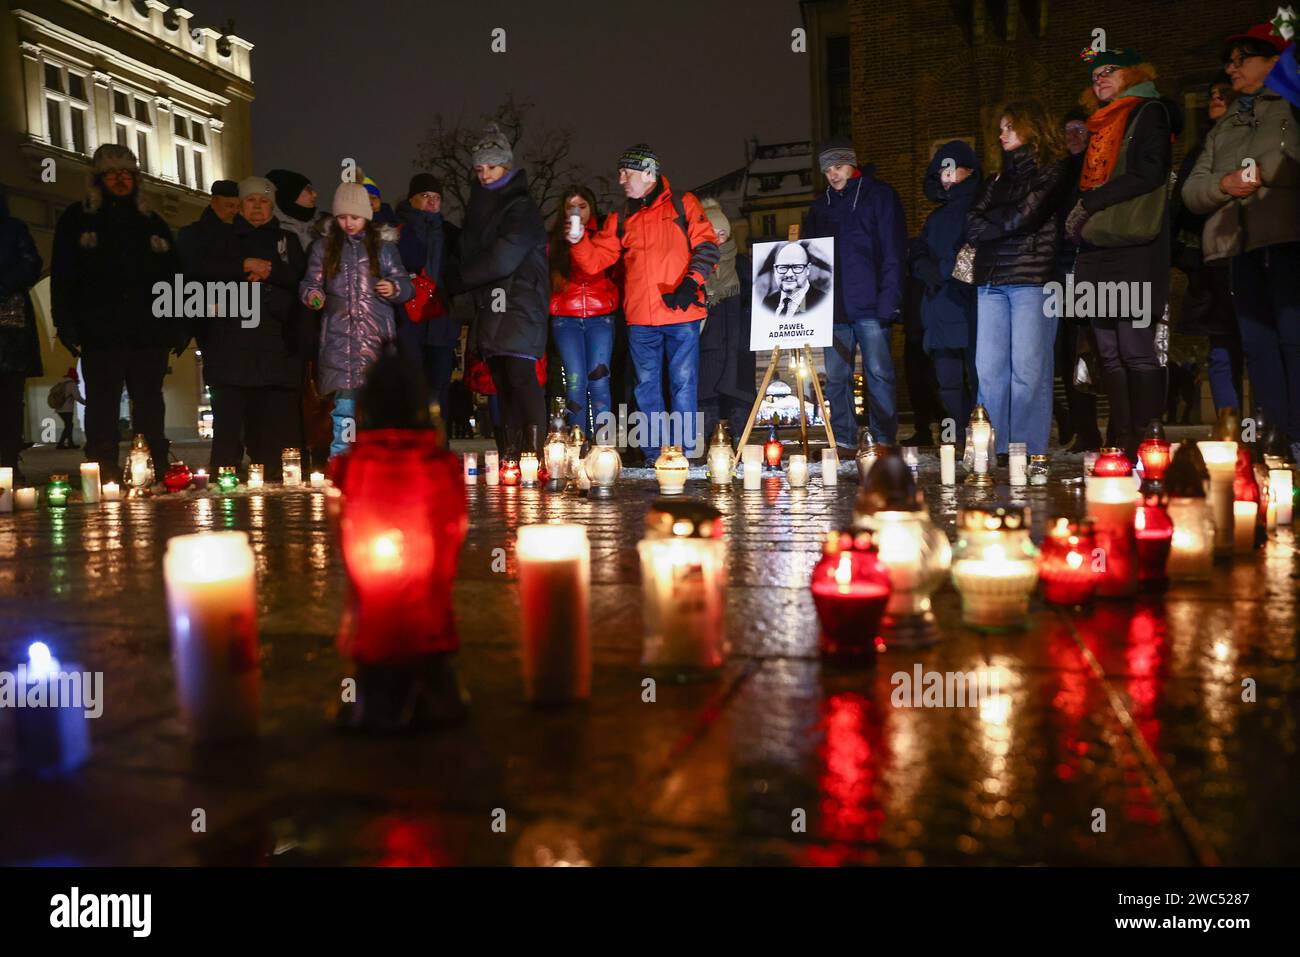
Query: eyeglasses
[(1076, 128), (1237, 61), (1219, 95), (797, 270), (1103, 72)]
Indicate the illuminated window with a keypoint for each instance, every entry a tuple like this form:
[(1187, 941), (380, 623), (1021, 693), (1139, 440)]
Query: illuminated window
[(66, 107)]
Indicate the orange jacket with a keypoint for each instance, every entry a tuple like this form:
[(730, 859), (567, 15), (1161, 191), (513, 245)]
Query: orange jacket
[(657, 255)]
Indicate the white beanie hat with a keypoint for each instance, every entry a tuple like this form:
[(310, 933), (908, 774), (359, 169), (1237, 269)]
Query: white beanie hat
[(256, 186), (351, 199)]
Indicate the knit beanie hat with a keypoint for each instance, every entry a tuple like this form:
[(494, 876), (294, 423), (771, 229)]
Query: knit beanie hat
[(351, 199), (371, 187), (256, 186), (640, 156), (111, 157), (836, 151), (1094, 58), (288, 186), (226, 187), (717, 218), (424, 183), (492, 148)]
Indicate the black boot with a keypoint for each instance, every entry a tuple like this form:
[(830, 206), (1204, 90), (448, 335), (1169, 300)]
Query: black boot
[(1119, 429), (500, 435), (1064, 421), (1146, 401)]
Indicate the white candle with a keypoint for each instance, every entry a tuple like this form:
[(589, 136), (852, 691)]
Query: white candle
[(1243, 526), (256, 476), (1270, 516), (24, 499), (528, 469), (830, 467), (139, 472), (471, 468), (200, 479), (948, 464), (1280, 490), (720, 465), (112, 492), (912, 459), (317, 479), (492, 467), (752, 453), (683, 583), (90, 492), (554, 585), (1221, 462), (212, 604), (1018, 464), (796, 470), (6, 489), (753, 476)]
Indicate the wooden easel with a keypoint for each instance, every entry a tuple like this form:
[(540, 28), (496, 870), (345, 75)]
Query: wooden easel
[(804, 365)]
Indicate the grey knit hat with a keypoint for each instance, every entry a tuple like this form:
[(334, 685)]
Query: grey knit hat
[(836, 151), (640, 156), (111, 157), (256, 186), (351, 199), (492, 148)]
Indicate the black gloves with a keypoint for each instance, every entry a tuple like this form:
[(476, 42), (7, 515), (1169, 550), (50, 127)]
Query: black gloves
[(683, 297)]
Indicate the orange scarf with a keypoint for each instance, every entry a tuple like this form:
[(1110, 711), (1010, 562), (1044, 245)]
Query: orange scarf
[(1107, 127)]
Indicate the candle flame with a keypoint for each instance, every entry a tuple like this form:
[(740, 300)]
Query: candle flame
[(1140, 521), (1074, 560), (844, 571), (386, 550)]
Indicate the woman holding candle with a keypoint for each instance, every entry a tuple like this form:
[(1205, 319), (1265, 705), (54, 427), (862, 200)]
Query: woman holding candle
[(355, 275), (1125, 176), (20, 350), (1013, 227)]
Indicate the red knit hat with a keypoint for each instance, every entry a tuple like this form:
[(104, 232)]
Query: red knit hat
[(1260, 32)]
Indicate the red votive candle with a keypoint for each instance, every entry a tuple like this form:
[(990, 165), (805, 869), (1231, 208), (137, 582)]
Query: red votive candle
[(1065, 562), (850, 590)]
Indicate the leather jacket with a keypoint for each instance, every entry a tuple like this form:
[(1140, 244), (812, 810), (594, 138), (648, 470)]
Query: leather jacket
[(1013, 221)]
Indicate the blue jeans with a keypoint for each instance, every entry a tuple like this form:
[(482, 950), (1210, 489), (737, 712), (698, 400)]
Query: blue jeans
[(1225, 370), (585, 346), (1266, 296), (648, 347), (1014, 355), (345, 420), (872, 337), (955, 370)]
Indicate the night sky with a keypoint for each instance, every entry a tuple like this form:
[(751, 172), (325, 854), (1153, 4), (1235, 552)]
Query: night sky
[(694, 78)]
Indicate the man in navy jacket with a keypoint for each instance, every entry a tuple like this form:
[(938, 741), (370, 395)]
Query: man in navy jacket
[(865, 217)]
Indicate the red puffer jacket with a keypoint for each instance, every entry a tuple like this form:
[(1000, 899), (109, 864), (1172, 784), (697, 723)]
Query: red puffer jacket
[(586, 294)]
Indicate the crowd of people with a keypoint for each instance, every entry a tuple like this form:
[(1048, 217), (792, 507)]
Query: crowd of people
[(1088, 200)]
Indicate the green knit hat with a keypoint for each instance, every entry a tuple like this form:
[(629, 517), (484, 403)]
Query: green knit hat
[(1094, 58)]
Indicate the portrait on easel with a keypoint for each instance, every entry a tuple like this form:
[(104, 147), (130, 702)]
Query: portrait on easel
[(793, 294)]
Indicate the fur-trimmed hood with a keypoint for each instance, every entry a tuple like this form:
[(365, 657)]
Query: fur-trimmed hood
[(95, 195), (387, 233)]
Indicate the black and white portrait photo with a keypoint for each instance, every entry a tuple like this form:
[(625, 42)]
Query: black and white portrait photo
[(793, 301)]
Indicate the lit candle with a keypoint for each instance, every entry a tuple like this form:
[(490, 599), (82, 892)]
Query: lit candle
[(491, 467), (56, 493), (604, 466), (772, 449), (1065, 563), (471, 468), (1221, 462), (317, 479), (683, 583), (994, 567), (797, 470), (256, 476), (671, 469), (212, 604), (948, 464), (981, 435), (912, 456), (1154, 532), (1280, 490), (291, 466), (510, 473), (753, 476), (1191, 547), (6, 489), (201, 479), (554, 584), (1244, 515), (113, 492), (227, 478), (1018, 463), (850, 590), (557, 459), (53, 738), (139, 466), (90, 491), (1112, 506), (528, 467), (1038, 469), (830, 467), (721, 464), (24, 499)]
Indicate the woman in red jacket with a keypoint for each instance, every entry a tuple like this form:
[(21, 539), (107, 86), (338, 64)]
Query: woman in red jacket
[(582, 315)]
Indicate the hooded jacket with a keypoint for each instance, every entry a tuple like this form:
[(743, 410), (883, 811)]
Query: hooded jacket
[(503, 247), (272, 353), (426, 240), (948, 305), (1270, 134), (585, 294), (869, 226), (307, 231), (356, 320), (20, 268), (657, 254), (1013, 221), (109, 252)]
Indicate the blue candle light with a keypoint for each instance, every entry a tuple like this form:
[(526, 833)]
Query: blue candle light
[(50, 717)]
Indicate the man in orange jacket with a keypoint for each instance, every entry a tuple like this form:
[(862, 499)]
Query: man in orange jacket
[(668, 249)]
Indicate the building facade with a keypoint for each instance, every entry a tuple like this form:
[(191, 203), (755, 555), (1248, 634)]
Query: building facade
[(78, 73)]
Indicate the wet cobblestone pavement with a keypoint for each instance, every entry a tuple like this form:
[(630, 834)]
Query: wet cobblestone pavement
[(1134, 708)]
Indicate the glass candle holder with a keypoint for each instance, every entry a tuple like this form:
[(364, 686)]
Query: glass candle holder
[(1065, 562), (57, 491), (830, 468), (139, 467), (177, 478), (111, 492), (1018, 463), (1281, 493), (471, 468), (1244, 516), (528, 468), (916, 556), (557, 461), (491, 467), (317, 480), (510, 473), (912, 458), (1221, 462), (868, 452), (721, 460), (981, 448), (554, 586), (1155, 453), (90, 490), (683, 586), (604, 465), (291, 467), (227, 478), (256, 476), (1154, 532), (1112, 506), (797, 470), (994, 567), (1038, 469), (1191, 545), (25, 499), (850, 591), (671, 470)]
